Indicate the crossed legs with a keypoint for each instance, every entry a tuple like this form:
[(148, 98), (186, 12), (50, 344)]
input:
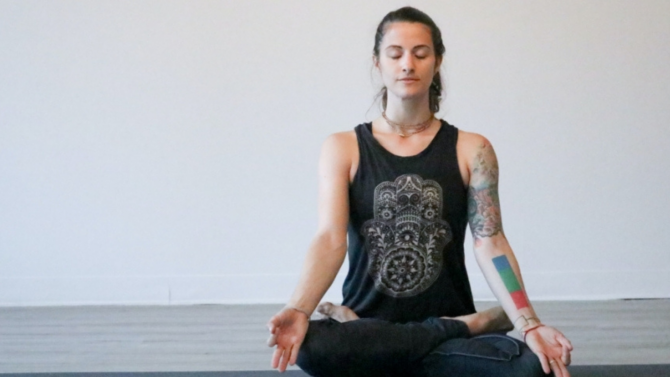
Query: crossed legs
[(493, 320), (344, 345)]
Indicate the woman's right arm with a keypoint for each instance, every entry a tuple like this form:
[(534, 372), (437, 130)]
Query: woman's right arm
[(326, 252), (329, 246)]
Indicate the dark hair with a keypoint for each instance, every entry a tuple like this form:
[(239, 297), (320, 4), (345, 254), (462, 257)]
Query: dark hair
[(409, 14)]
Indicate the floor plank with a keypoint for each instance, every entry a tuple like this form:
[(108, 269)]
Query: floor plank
[(232, 337)]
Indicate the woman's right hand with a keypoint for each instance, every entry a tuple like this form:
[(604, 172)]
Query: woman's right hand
[(552, 348), (287, 331)]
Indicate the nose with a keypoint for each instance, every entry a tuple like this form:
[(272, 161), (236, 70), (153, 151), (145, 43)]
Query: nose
[(407, 63)]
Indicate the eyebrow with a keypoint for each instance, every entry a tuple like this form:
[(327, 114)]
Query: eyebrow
[(413, 49)]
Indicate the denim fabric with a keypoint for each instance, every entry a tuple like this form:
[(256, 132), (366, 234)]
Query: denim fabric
[(482, 356), (435, 347)]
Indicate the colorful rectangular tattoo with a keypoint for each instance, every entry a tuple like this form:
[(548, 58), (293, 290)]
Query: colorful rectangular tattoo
[(511, 282)]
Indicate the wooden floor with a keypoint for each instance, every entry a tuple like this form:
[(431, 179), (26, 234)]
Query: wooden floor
[(232, 337)]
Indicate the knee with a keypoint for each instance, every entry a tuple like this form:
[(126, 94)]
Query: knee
[(326, 350), (306, 359), (313, 354), (483, 356), (347, 349)]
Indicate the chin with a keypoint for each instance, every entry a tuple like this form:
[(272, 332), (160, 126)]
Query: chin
[(411, 95)]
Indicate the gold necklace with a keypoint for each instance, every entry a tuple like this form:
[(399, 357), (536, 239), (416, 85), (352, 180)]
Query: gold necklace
[(405, 130)]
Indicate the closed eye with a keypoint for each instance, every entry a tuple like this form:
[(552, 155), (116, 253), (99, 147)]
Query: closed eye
[(422, 52)]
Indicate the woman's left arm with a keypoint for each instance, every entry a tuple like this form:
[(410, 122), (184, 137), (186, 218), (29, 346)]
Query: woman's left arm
[(498, 264)]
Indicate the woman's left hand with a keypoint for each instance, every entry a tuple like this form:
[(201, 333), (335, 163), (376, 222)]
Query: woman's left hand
[(552, 348)]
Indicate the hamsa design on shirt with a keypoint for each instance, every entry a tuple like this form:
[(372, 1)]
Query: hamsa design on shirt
[(405, 239)]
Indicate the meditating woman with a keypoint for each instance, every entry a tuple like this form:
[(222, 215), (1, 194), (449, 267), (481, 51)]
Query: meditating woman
[(404, 187)]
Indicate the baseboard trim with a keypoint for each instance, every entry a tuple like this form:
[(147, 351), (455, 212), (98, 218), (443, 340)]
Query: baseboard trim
[(266, 289)]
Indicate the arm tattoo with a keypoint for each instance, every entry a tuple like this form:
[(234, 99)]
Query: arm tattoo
[(483, 200), (511, 282)]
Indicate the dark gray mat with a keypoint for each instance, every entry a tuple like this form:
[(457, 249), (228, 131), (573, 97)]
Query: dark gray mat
[(649, 370), (652, 370)]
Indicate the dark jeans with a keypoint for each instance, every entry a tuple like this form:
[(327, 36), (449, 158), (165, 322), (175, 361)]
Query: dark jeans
[(435, 347)]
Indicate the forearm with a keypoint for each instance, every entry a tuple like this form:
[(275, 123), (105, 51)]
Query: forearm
[(502, 273), (322, 263), (497, 261)]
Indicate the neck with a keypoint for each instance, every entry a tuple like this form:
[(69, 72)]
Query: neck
[(407, 111)]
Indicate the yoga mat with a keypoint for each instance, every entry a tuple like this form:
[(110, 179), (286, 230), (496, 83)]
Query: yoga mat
[(643, 370)]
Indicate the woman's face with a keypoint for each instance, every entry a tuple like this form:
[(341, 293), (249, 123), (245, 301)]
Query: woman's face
[(407, 61)]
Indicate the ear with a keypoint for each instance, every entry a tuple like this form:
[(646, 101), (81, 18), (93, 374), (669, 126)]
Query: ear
[(438, 63), (375, 61)]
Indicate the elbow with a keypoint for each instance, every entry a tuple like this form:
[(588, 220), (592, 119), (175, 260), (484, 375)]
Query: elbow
[(331, 241), (491, 245)]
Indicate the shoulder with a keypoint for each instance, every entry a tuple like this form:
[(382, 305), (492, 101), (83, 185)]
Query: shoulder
[(340, 143), (477, 155), (470, 145), (340, 149), (344, 139), (472, 140)]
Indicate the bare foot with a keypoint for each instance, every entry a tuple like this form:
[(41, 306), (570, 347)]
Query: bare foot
[(487, 321), (339, 313)]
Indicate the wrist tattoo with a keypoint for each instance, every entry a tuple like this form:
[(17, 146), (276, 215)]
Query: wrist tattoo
[(524, 322)]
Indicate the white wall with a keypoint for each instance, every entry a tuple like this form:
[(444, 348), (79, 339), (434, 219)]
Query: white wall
[(165, 151)]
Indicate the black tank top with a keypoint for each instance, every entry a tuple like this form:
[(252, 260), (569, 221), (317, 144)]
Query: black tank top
[(407, 223)]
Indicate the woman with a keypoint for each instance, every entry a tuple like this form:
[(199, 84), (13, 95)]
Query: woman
[(404, 187)]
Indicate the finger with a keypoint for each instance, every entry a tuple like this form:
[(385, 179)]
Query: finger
[(276, 356), (545, 363), (565, 342), (272, 340), (566, 356), (566, 348), (562, 368), (272, 325), (284, 360), (555, 368)]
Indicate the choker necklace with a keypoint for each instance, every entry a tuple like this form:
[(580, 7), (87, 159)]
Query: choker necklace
[(405, 130)]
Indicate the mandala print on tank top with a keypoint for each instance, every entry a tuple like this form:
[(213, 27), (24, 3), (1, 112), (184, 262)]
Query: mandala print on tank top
[(405, 239)]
